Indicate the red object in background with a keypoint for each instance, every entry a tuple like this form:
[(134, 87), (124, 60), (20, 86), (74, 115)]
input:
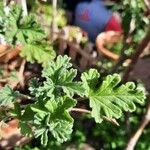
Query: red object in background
[(113, 25)]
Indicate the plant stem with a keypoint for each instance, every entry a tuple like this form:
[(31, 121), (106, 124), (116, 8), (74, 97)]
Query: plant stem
[(130, 68), (80, 110), (23, 96), (135, 137), (24, 7), (20, 73), (136, 55), (53, 24)]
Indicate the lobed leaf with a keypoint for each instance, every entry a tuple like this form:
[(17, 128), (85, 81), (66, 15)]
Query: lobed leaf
[(55, 120), (110, 97), (60, 79), (39, 52), (23, 30), (29, 30)]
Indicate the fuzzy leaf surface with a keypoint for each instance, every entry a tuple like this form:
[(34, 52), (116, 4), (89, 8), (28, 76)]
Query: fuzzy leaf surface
[(60, 79), (109, 97), (23, 30), (39, 52), (54, 119)]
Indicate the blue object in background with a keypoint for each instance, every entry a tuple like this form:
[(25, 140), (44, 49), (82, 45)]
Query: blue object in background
[(92, 17)]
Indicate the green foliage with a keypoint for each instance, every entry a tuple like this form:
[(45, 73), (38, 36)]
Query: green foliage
[(109, 98), (48, 114), (48, 118), (117, 47), (25, 31), (45, 11), (55, 119), (1, 7), (134, 23), (126, 21), (1, 72), (133, 12), (7, 96), (59, 76), (1, 18), (41, 52), (27, 147), (22, 29)]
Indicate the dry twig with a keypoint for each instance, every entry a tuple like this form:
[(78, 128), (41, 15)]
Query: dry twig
[(81, 110), (135, 57), (132, 142), (135, 137)]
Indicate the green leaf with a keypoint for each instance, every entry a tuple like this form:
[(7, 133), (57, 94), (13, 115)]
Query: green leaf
[(44, 137), (28, 114), (22, 29), (7, 96), (60, 79), (60, 109), (39, 132), (29, 30), (56, 121), (110, 97), (2, 20), (39, 108), (39, 52), (127, 18), (25, 129), (90, 79), (34, 85), (61, 130), (13, 76), (11, 24), (16, 112), (62, 122)]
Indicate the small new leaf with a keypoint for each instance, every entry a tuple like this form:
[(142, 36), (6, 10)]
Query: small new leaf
[(60, 79), (110, 97)]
